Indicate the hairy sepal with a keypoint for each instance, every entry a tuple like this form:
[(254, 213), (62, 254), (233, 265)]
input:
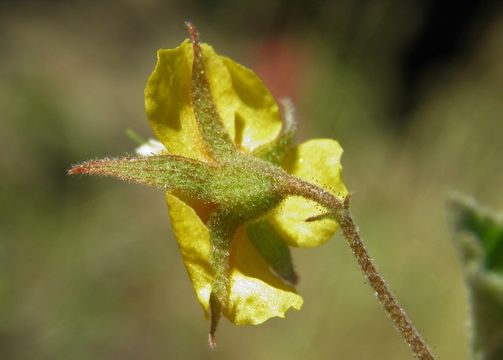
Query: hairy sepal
[(167, 172)]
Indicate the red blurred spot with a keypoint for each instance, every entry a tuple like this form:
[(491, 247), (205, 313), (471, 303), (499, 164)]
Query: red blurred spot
[(280, 63)]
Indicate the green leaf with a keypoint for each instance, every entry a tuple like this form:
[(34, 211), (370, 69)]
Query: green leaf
[(485, 227), (479, 236)]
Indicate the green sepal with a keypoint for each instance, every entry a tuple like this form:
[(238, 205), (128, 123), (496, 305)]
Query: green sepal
[(273, 249), (135, 137), (167, 172), (216, 138), (222, 226), (276, 150)]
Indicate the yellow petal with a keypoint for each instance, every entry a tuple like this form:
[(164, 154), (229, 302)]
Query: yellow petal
[(316, 161), (256, 112), (248, 110), (168, 102), (256, 294)]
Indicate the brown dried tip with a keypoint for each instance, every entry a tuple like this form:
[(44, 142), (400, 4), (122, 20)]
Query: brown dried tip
[(75, 170), (293, 278), (94, 167), (215, 313), (79, 169), (194, 35), (212, 341), (319, 217)]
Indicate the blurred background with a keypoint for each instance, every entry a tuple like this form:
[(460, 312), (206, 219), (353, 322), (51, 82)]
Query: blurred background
[(413, 90)]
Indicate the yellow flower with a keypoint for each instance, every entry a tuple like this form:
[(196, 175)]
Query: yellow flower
[(237, 190), (251, 117)]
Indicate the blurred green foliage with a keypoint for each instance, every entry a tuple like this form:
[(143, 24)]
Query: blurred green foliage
[(482, 252), (89, 268), (485, 228)]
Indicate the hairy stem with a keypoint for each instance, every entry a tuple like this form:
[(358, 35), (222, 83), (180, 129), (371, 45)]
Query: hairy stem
[(390, 304)]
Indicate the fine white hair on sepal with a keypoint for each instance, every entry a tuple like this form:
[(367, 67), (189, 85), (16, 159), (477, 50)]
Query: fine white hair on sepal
[(290, 122), (151, 147)]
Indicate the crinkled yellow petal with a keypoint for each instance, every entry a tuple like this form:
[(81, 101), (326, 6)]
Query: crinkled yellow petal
[(256, 294), (255, 111), (317, 161), (168, 102), (248, 110)]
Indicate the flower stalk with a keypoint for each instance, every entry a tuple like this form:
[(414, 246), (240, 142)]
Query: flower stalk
[(340, 211)]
